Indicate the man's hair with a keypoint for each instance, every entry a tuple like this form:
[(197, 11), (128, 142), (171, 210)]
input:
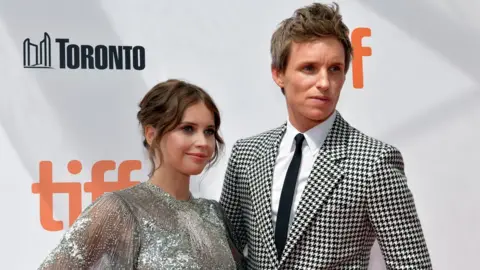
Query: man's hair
[(308, 24)]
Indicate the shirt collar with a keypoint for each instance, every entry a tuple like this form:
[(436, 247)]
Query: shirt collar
[(314, 137)]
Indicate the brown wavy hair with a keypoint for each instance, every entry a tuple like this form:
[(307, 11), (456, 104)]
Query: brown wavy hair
[(308, 24), (163, 108)]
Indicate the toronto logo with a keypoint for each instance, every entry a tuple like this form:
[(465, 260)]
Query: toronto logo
[(81, 56), (37, 55)]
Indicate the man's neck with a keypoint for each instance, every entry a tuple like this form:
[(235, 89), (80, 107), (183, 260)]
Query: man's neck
[(303, 124)]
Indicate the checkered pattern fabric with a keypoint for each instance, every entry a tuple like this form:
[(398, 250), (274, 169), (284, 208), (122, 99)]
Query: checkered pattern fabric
[(357, 192)]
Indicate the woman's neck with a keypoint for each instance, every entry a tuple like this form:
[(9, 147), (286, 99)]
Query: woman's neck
[(172, 182)]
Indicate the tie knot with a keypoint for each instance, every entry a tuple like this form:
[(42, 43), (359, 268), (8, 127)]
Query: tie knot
[(299, 138)]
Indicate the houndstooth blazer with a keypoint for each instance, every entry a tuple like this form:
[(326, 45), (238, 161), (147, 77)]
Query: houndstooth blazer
[(356, 193)]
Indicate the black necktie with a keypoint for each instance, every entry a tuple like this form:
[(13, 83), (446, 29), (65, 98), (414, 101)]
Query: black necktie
[(286, 198)]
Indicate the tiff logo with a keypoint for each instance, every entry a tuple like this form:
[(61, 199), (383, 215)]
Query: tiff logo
[(47, 188), (37, 56)]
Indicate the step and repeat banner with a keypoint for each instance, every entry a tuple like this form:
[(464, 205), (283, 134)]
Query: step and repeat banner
[(72, 74)]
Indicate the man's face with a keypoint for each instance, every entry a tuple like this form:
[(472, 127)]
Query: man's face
[(312, 81)]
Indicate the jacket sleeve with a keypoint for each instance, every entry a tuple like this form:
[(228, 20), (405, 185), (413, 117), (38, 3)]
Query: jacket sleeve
[(231, 237), (230, 198), (393, 214)]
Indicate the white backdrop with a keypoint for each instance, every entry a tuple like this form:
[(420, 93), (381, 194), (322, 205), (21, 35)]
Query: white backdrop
[(421, 93)]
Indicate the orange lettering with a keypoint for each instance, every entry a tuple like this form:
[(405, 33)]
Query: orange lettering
[(358, 53), (46, 188), (98, 186)]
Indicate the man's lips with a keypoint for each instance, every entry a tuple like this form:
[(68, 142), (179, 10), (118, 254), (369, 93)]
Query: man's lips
[(322, 98)]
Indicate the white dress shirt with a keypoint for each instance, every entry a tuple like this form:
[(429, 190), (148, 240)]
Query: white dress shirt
[(314, 139)]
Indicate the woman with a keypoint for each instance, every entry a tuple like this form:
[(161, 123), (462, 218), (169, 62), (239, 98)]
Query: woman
[(158, 224)]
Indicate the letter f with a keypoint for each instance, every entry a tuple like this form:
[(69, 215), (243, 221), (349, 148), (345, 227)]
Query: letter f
[(358, 53)]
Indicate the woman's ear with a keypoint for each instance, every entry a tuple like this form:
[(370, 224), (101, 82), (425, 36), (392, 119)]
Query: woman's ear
[(150, 133)]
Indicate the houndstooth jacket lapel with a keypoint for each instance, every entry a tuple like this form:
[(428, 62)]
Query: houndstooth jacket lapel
[(324, 177), (261, 173)]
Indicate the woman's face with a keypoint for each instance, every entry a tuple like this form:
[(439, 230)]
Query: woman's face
[(191, 145)]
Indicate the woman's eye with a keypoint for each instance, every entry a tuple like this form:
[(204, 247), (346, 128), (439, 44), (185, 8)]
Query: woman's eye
[(210, 132), (187, 129)]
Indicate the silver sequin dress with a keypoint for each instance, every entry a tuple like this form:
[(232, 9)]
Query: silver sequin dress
[(143, 227)]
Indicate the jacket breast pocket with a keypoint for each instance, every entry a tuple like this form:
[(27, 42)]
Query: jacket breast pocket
[(338, 206), (338, 212)]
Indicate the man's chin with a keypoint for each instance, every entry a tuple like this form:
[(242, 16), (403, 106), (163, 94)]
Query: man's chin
[(318, 116)]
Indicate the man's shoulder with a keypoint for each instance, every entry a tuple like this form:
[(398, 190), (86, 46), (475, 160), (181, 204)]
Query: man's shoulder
[(361, 142), (259, 139)]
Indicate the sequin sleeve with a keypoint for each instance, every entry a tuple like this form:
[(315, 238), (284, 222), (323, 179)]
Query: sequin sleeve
[(103, 237), (232, 237)]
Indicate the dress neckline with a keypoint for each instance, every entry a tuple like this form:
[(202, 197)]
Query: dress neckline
[(160, 192)]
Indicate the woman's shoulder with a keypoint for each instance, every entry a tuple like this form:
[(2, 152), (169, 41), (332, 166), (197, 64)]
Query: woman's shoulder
[(212, 205), (118, 201), (109, 202), (206, 202), (128, 195)]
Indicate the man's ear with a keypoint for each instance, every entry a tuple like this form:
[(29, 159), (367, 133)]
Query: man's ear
[(278, 76)]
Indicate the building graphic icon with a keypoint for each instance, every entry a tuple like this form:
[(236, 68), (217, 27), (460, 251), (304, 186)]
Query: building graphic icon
[(37, 55)]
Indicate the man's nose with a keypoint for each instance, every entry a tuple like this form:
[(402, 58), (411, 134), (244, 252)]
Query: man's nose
[(323, 82)]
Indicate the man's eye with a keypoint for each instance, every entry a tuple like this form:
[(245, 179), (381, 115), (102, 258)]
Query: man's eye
[(309, 68), (335, 68)]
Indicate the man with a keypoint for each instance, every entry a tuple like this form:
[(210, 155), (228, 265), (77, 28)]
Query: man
[(315, 192)]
